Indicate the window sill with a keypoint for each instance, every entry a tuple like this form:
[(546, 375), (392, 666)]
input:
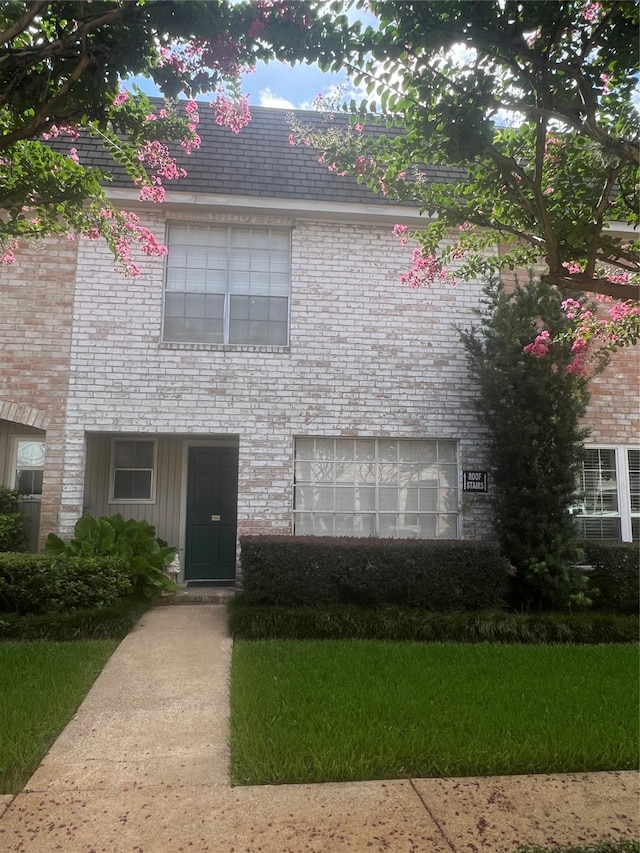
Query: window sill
[(224, 347)]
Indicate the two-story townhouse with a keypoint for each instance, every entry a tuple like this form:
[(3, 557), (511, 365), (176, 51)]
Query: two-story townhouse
[(271, 375)]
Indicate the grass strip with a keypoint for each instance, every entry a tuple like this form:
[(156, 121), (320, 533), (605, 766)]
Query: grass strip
[(621, 846), (43, 684), (356, 710)]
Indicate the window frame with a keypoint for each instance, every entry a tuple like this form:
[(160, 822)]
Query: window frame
[(112, 471), (229, 227), (15, 441), (378, 486), (623, 492)]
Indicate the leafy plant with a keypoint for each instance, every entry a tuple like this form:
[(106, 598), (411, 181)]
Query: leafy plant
[(132, 541), (11, 521)]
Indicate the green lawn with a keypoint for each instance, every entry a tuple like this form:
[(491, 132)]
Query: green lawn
[(41, 686), (349, 710)]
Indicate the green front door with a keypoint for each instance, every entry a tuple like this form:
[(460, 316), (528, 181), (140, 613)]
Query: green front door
[(212, 492)]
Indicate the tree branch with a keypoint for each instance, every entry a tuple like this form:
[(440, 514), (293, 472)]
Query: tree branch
[(40, 119), (21, 25)]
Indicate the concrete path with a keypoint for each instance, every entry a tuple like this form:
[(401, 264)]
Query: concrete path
[(142, 768)]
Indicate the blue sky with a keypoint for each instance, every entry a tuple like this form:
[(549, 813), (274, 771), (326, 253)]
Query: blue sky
[(276, 84)]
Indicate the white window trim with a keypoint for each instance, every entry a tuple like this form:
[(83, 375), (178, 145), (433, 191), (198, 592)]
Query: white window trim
[(226, 344), (112, 471), (623, 485), (15, 439)]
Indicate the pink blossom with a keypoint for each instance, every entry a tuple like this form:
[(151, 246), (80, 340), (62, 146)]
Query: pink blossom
[(426, 270), (121, 98), (232, 114), (73, 154), (571, 308), (358, 127), (401, 232), (548, 191), (292, 140), (540, 347), (591, 12)]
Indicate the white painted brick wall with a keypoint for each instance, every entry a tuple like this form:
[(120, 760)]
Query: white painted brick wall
[(367, 357)]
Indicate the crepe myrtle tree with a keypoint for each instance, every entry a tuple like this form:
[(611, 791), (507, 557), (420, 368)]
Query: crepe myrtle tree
[(530, 410), (530, 107), (62, 65)]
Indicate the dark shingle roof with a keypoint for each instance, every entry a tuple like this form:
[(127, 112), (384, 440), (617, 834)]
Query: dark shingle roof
[(259, 161)]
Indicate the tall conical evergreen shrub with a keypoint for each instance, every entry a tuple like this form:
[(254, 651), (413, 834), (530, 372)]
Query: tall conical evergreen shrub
[(531, 409)]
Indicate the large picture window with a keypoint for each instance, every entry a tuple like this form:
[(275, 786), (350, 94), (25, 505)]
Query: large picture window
[(609, 494), (376, 487), (227, 285), (133, 468)]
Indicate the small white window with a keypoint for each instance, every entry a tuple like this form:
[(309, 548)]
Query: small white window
[(29, 466), (133, 471)]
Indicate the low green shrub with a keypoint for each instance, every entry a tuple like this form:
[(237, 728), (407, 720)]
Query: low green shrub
[(249, 621), (132, 542), (113, 621), (45, 583), (11, 521), (435, 575), (616, 575), (624, 845)]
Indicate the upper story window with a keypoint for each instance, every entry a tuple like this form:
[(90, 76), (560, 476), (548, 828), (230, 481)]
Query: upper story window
[(227, 284), (609, 494), (132, 471)]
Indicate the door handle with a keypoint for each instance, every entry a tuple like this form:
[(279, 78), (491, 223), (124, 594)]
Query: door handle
[(215, 518)]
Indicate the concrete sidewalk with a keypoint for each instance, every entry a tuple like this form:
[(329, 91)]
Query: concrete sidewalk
[(143, 767)]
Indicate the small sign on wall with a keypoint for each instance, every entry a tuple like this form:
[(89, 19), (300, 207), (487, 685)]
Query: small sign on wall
[(474, 481)]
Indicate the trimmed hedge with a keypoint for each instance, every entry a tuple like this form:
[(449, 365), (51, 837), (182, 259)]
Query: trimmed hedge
[(101, 623), (344, 622), (11, 521), (43, 583), (616, 575), (436, 575)]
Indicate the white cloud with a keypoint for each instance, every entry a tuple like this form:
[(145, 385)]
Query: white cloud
[(270, 99)]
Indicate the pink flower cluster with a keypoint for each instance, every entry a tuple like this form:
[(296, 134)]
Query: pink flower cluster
[(156, 154), (540, 347), (401, 232), (592, 11), (426, 270), (55, 131), (234, 114), (8, 252)]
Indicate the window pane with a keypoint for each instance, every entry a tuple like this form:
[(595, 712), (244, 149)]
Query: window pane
[(30, 454), (125, 453), (132, 485), (29, 482), (143, 454), (634, 479)]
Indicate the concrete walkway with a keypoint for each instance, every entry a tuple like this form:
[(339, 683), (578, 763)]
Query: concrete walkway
[(142, 767)]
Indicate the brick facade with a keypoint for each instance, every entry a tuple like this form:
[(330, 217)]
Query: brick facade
[(36, 319)]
